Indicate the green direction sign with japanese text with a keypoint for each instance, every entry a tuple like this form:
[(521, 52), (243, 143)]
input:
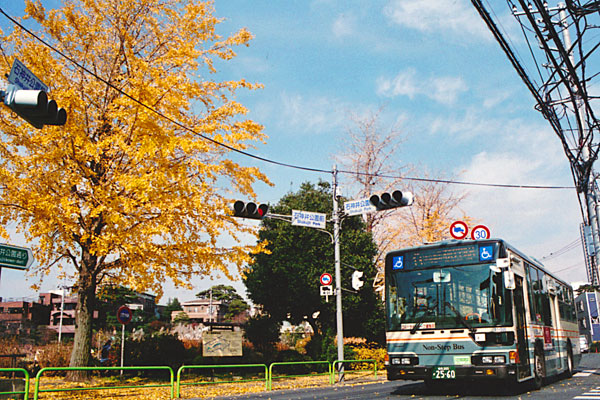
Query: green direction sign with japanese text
[(15, 257)]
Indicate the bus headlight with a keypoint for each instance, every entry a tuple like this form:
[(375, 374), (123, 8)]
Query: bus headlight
[(499, 360), (406, 360), (489, 359)]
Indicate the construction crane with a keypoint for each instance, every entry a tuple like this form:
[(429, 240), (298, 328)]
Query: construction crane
[(563, 85)]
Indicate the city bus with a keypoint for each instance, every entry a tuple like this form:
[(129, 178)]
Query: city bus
[(477, 310)]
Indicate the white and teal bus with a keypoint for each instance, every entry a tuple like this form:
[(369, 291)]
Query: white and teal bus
[(477, 310)]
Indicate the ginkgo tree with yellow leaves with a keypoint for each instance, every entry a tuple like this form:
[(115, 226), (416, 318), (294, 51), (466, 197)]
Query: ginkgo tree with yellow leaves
[(134, 188)]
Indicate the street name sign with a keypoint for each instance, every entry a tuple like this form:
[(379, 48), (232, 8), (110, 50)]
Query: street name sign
[(359, 206), (15, 257), (308, 219), (22, 77)]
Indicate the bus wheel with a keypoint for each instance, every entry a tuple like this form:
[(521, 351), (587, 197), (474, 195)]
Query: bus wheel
[(569, 372), (539, 370)]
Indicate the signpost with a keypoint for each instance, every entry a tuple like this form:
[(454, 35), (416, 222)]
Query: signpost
[(480, 232), (309, 219), (459, 230), (326, 290), (326, 279), (22, 77), (124, 315), (15, 257), (359, 206)]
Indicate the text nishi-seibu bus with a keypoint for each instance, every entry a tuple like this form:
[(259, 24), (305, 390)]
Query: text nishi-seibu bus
[(476, 310)]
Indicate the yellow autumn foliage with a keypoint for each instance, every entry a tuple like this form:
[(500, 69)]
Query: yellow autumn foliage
[(134, 188)]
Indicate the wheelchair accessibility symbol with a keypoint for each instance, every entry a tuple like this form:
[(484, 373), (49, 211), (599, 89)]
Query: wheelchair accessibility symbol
[(486, 253), (398, 262)]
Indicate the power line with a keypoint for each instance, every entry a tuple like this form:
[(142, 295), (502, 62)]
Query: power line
[(571, 246), (254, 156)]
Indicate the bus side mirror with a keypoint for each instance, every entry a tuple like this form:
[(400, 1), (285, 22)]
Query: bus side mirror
[(509, 280)]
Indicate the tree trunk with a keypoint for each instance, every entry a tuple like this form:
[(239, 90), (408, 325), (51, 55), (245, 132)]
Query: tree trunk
[(86, 301)]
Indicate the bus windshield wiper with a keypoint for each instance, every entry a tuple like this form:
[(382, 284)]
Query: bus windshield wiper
[(461, 318), (422, 318)]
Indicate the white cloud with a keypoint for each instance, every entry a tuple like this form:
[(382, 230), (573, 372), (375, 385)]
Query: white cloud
[(436, 16), (343, 26), (537, 221), (445, 89), (311, 115)]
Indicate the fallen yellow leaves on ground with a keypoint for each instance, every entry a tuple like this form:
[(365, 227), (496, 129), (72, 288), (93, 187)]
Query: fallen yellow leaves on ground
[(187, 391)]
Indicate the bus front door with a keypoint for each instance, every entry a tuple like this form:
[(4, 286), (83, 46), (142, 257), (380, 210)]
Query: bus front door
[(523, 368)]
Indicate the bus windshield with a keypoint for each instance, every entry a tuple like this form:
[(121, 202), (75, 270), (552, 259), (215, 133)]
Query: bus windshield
[(457, 297)]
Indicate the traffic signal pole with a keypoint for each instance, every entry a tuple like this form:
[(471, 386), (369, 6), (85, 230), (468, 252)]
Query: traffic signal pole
[(338, 277)]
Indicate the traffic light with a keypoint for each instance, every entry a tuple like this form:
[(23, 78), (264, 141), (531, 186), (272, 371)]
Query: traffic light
[(34, 106), (249, 210), (391, 200), (356, 282)]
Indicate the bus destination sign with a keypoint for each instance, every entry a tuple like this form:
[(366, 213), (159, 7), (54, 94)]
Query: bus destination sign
[(440, 257)]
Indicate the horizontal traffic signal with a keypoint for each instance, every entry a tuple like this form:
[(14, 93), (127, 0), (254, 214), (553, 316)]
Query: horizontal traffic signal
[(34, 107), (385, 201), (249, 210)]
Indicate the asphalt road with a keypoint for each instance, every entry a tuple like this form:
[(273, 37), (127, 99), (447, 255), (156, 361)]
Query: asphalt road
[(584, 385)]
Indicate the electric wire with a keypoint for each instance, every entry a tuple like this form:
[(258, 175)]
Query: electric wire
[(254, 156), (557, 253)]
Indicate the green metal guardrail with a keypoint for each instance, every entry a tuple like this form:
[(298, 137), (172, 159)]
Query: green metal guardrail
[(37, 390), (179, 384), (340, 362), (270, 381), (25, 391)]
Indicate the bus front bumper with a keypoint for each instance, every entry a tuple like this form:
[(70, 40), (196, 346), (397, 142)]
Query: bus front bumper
[(470, 372)]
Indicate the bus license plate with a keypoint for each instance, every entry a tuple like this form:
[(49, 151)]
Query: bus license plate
[(443, 373)]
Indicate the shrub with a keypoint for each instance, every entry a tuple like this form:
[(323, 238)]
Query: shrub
[(368, 351), (155, 350), (263, 332)]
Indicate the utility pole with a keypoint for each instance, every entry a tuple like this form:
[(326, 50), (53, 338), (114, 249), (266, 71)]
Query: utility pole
[(561, 91), (588, 191), (338, 276), (62, 311)]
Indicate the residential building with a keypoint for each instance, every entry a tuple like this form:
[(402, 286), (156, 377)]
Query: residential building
[(63, 313), (587, 315), (18, 317), (199, 310)]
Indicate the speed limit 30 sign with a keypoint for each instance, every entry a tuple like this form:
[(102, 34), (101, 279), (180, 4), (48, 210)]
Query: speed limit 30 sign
[(480, 232)]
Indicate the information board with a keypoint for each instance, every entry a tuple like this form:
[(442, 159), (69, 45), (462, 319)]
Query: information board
[(222, 344)]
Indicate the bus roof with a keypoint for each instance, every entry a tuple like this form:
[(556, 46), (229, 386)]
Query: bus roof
[(453, 242)]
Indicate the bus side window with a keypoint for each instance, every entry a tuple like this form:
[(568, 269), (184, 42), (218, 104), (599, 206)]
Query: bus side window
[(531, 289), (544, 299)]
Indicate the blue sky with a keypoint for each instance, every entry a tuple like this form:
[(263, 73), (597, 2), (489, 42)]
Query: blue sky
[(443, 81)]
